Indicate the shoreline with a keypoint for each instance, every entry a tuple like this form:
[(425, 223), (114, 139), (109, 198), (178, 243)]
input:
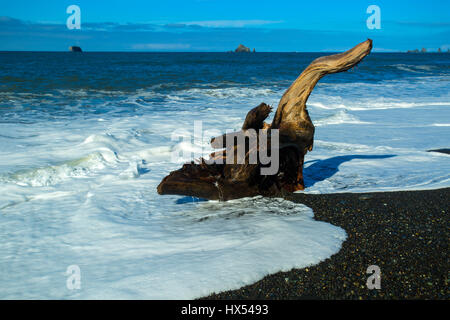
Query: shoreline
[(405, 233)]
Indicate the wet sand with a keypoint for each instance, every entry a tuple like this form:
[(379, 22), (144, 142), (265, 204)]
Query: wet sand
[(405, 233)]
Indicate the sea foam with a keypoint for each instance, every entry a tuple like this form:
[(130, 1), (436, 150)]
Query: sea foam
[(79, 169)]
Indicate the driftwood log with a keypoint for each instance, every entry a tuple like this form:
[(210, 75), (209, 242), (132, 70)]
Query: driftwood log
[(228, 178)]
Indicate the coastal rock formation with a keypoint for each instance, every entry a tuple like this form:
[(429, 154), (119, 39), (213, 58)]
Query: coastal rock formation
[(75, 49), (242, 48), (423, 50), (240, 167)]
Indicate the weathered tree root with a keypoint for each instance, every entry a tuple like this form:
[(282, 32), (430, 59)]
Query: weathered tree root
[(231, 179)]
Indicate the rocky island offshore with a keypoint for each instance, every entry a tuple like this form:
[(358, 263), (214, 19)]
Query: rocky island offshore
[(75, 49), (242, 48), (439, 50)]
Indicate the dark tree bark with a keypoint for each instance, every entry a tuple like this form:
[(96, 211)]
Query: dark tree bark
[(232, 179)]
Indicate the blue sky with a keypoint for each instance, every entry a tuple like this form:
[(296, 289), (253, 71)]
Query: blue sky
[(221, 25)]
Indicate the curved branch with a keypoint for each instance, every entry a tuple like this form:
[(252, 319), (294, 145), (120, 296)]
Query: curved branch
[(293, 102)]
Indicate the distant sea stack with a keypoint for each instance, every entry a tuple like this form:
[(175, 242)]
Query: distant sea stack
[(417, 51), (75, 49), (423, 50), (242, 48)]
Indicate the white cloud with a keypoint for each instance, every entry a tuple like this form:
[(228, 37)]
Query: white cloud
[(161, 46), (378, 49), (230, 23)]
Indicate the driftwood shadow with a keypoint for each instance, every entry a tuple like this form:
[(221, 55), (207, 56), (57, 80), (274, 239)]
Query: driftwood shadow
[(321, 170)]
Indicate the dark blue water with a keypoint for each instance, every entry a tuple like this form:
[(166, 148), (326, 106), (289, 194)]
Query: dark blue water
[(42, 84)]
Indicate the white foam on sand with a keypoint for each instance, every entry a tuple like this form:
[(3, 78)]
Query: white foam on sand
[(83, 192), (188, 251)]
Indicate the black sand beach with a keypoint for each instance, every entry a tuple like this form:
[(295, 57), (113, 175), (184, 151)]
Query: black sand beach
[(405, 233)]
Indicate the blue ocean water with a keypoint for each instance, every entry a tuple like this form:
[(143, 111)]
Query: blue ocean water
[(86, 138)]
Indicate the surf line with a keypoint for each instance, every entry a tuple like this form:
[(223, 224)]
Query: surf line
[(209, 311)]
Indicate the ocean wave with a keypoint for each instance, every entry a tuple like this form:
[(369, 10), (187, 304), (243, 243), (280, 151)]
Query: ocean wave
[(414, 68), (403, 83), (375, 105), (441, 124), (340, 117), (232, 92), (55, 174)]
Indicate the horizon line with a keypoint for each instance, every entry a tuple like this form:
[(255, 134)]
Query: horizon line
[(231, 52)]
